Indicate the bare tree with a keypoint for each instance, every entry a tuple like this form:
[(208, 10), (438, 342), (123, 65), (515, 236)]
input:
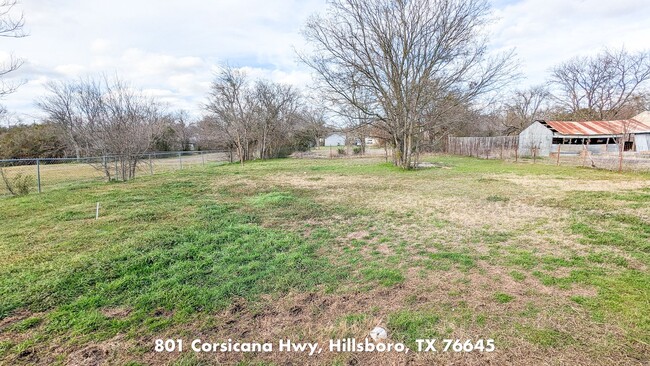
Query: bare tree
[(11, 26), (102, 117), (276, 109), (210, 135), (260, 120), (182, 127), (394, 59), (524, 107), (231, 102), (601, 86), (311, 128)]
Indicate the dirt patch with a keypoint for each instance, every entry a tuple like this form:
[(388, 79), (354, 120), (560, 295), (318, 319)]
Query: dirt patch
[(111, 351), (358, 235), (118, 312), (15, 318), (89, 356)]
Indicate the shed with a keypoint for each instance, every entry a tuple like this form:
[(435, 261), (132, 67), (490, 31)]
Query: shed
[(335, 139), (544, 137)]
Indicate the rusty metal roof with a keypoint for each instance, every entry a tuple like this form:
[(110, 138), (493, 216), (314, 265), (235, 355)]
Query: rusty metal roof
[(595, 128)]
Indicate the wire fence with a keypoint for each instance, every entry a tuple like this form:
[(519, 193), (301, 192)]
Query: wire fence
[(43, 174), (628, 160), (497, 147), (507, 148)]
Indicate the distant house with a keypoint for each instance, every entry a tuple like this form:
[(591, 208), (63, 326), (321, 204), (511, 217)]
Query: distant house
[(545, 137), (335, 139)]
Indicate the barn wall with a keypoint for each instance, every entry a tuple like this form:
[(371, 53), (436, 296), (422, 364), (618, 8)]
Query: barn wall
[(642, 142), (535, 136)]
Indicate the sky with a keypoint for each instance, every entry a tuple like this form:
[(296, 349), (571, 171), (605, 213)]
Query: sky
[(171, 50)]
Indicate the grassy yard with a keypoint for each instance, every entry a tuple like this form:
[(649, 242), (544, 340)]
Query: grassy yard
[(550, 262)]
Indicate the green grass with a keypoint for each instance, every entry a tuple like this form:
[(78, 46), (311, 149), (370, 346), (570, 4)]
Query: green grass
[(383, 276), (175, 252), (546, 337), (517, 276), (407, 326), (502, 298), (199, 267), (443, 260)]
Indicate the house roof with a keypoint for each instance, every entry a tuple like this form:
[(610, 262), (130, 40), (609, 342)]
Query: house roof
[(597, 128)]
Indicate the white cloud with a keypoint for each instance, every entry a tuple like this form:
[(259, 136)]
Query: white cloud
[(170, 49), (70, 70), (547, 32), (100, 45)]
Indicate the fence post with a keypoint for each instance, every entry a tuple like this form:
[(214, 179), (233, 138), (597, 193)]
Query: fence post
[(501, 150), (180, 160), (558, 153), (202, 159), (517, 152), (38, 174), (117, 174), (106, 172), (150, 165)]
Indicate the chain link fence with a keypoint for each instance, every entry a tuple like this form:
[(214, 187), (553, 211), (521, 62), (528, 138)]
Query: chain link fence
[(39, 175)]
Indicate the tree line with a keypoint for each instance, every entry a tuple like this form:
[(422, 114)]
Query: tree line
[(105, 116)]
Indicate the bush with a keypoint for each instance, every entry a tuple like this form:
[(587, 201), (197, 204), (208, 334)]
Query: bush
[(19, 185), (341, 151), (356, 150), (23, 184)]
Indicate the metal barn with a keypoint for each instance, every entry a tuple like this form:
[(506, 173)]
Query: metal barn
[(545, 137)]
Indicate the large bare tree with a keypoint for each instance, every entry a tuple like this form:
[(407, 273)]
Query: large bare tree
[(103, 117), (602, 86), (395, 59), (260, 119), (524, 107), (231, 103), (276, 109), (11, 26)]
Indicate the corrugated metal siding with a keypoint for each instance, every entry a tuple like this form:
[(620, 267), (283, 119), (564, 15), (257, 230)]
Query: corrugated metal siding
[(642, 142), (535, 138)]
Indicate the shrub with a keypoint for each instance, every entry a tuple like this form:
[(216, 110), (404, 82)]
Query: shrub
[(19, 185), (341, 151), (23, 184), (356, 150)]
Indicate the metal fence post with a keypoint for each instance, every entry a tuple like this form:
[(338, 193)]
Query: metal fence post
[(180, 160), (38, 174), (150, 165), (202, 159), (116, 172)]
